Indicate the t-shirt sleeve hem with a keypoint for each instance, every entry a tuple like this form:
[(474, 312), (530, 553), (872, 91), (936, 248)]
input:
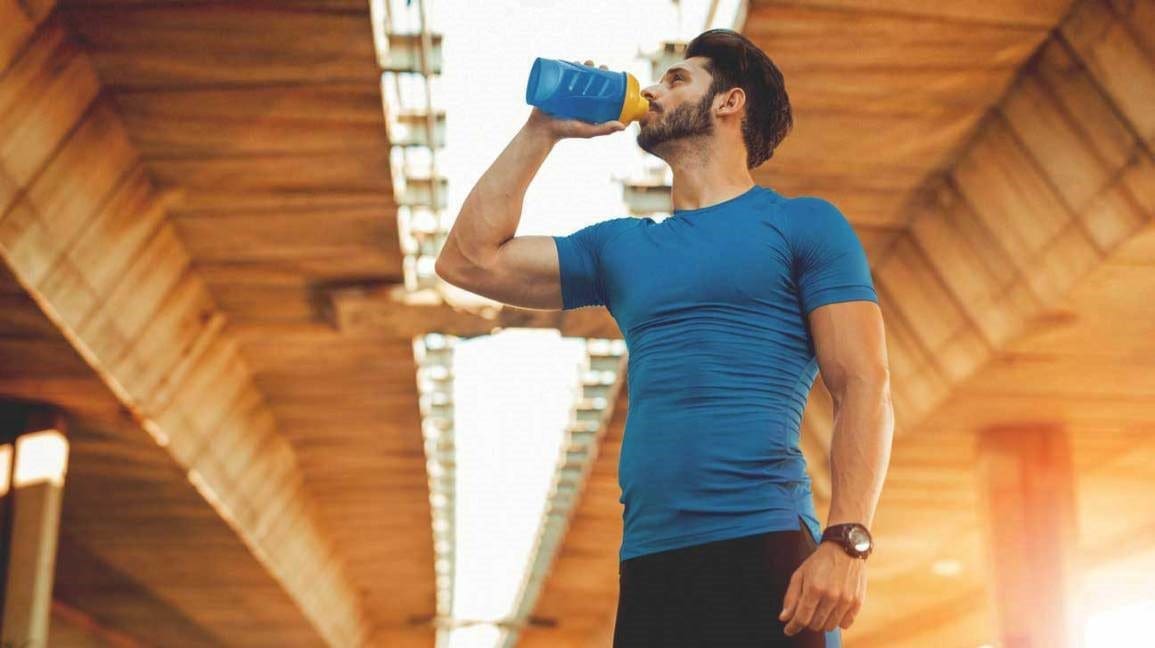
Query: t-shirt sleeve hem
[(838, 294), (564, 253)]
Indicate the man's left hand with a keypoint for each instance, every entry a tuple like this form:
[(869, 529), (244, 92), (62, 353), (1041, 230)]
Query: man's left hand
[(827, 590)]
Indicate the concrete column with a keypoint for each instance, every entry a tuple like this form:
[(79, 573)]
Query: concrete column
[(1028, 490), (33, 496)]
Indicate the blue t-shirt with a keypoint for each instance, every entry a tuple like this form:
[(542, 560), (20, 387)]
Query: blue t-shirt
[(713, 306)]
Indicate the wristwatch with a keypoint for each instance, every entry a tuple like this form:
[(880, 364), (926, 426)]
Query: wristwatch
[(853, 537)]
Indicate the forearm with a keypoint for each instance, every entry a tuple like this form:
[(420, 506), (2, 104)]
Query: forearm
[(860, 450), (491, 212)]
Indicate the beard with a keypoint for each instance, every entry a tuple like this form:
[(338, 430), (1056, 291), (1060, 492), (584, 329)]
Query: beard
[(685, 121)]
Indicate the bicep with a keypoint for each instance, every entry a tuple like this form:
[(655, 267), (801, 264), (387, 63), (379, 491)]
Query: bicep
[(850, 343), (523, 272)]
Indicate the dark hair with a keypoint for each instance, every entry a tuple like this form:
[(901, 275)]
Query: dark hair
[(734, 61)]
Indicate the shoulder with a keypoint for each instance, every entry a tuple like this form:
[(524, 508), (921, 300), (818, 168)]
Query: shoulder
[(812, 211), (622, 223), (608, 230), (598, 233), (810, 217), (611, 226)]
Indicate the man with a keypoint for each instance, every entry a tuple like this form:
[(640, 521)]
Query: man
[(729, 308)]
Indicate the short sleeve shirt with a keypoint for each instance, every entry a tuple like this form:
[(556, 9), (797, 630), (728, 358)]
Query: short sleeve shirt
[(713, 306)]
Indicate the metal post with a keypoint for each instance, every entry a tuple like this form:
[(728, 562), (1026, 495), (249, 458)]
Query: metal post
[(35, 494)]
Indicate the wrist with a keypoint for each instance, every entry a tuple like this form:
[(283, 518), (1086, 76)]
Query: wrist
[(537, 131), (852, 537)]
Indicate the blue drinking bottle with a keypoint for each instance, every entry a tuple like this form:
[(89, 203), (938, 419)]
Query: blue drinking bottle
[(573, 91)]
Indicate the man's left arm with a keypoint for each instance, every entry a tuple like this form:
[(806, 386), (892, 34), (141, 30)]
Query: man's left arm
[(828, 589), (850, 344)]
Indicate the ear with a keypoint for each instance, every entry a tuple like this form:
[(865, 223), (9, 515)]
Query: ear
[(732, 101)]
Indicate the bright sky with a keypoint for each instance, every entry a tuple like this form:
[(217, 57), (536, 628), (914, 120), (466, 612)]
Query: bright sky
[(513, 393), (1115, 600), (1119, 626), (488, 63)]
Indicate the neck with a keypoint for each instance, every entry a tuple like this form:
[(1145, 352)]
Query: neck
[(704, 177)]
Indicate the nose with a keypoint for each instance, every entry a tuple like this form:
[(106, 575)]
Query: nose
[(648, 94)]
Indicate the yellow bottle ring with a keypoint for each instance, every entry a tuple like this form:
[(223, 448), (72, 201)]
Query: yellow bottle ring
[(634, 105)]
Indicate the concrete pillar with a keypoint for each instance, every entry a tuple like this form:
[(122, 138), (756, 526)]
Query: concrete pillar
[(1028, 491), (32, 498)]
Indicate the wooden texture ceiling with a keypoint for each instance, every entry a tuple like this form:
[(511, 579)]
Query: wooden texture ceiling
[(142, 556), (117, 151), (198, 238), (886, 93), (265, 121)]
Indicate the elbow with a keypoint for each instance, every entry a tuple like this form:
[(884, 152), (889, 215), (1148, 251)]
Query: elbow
[(879, 379), (447, 268), (452, 264), (448, 272), (459, 273), (883, 386), (441, 268), (874, 381)]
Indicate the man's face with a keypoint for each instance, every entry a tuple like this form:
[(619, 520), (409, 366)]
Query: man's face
[(679, 105)]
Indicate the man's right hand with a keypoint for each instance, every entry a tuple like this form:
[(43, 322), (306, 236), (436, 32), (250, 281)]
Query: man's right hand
[(559, 128)]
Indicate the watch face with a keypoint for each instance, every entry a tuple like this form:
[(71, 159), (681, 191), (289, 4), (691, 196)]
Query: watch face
[(859, 539)]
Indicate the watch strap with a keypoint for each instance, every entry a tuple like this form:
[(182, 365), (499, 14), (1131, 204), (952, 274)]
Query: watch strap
[(840, 533)]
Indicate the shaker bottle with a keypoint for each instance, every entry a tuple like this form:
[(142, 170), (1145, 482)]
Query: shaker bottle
[(593, 95)]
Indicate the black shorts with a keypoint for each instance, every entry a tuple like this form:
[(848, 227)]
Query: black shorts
[(724, 594)]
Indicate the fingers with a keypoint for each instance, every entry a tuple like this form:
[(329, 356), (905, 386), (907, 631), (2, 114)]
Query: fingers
[(848, 618), (575, 128), (793, 593), (821, 610), (849, 603), (808, 602), (604, 128), (832, 606), (836, 610), (814, 608), (589, 62)]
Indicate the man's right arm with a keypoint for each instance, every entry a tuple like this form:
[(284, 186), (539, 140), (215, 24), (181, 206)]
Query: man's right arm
[(481, 253)]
